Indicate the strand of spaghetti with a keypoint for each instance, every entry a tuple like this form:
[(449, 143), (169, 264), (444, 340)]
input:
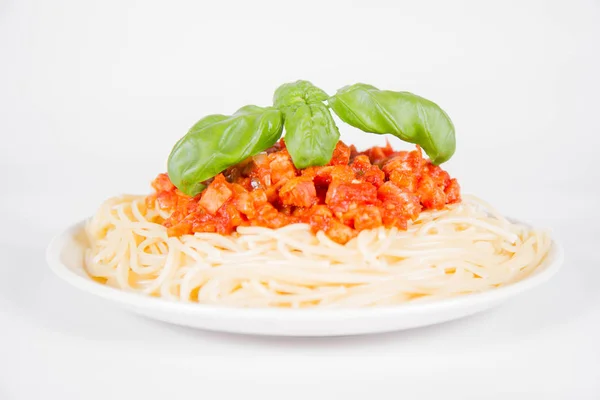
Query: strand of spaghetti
[(485, 224), (170, 265), (114, 252)]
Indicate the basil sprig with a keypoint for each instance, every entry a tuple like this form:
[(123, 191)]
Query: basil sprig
[(217, 142)]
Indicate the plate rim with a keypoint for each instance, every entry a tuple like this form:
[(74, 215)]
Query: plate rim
[(54, 251)]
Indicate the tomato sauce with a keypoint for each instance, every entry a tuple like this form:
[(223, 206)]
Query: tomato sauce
[(355, 191)]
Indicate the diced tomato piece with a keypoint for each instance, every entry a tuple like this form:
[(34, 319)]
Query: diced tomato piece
[(339, 232), (184, 228), (317, 215), (342, 173), (367, 217), (439, 176), (341, 154), (200, 221), (299, 192), (430, 194), (162, 183), (452, 191), (243, 203), (404, 179), (392, 216), (270, 217), (407, 161), (365, 171), (341, 195), (389, 191), (374, 176), (399, 202), (166, 200), (321, 218), (325, 175), (281, 165), (228, 218), (260, 172), (360, 165), (378, 154), (259, 197), (216, 194)]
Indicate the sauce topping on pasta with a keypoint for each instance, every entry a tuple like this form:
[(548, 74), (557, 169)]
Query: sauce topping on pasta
[(355, 191)]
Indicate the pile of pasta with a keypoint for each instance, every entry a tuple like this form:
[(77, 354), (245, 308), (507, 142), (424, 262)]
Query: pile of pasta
[(466, 248)]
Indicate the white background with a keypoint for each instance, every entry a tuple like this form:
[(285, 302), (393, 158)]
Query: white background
[(94, 94)]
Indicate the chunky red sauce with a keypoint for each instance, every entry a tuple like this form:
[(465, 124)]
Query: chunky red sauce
[(355, 191)]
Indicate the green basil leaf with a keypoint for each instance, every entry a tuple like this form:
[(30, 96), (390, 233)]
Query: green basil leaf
[(310, 131), (311, 135), (217, 142), (402, 114)]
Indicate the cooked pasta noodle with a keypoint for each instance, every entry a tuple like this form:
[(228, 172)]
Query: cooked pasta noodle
[(466, 248)]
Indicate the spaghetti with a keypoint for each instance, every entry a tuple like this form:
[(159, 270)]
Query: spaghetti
[(464, 248)]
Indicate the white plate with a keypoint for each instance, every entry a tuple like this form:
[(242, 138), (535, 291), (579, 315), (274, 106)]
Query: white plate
[(65, 257)]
